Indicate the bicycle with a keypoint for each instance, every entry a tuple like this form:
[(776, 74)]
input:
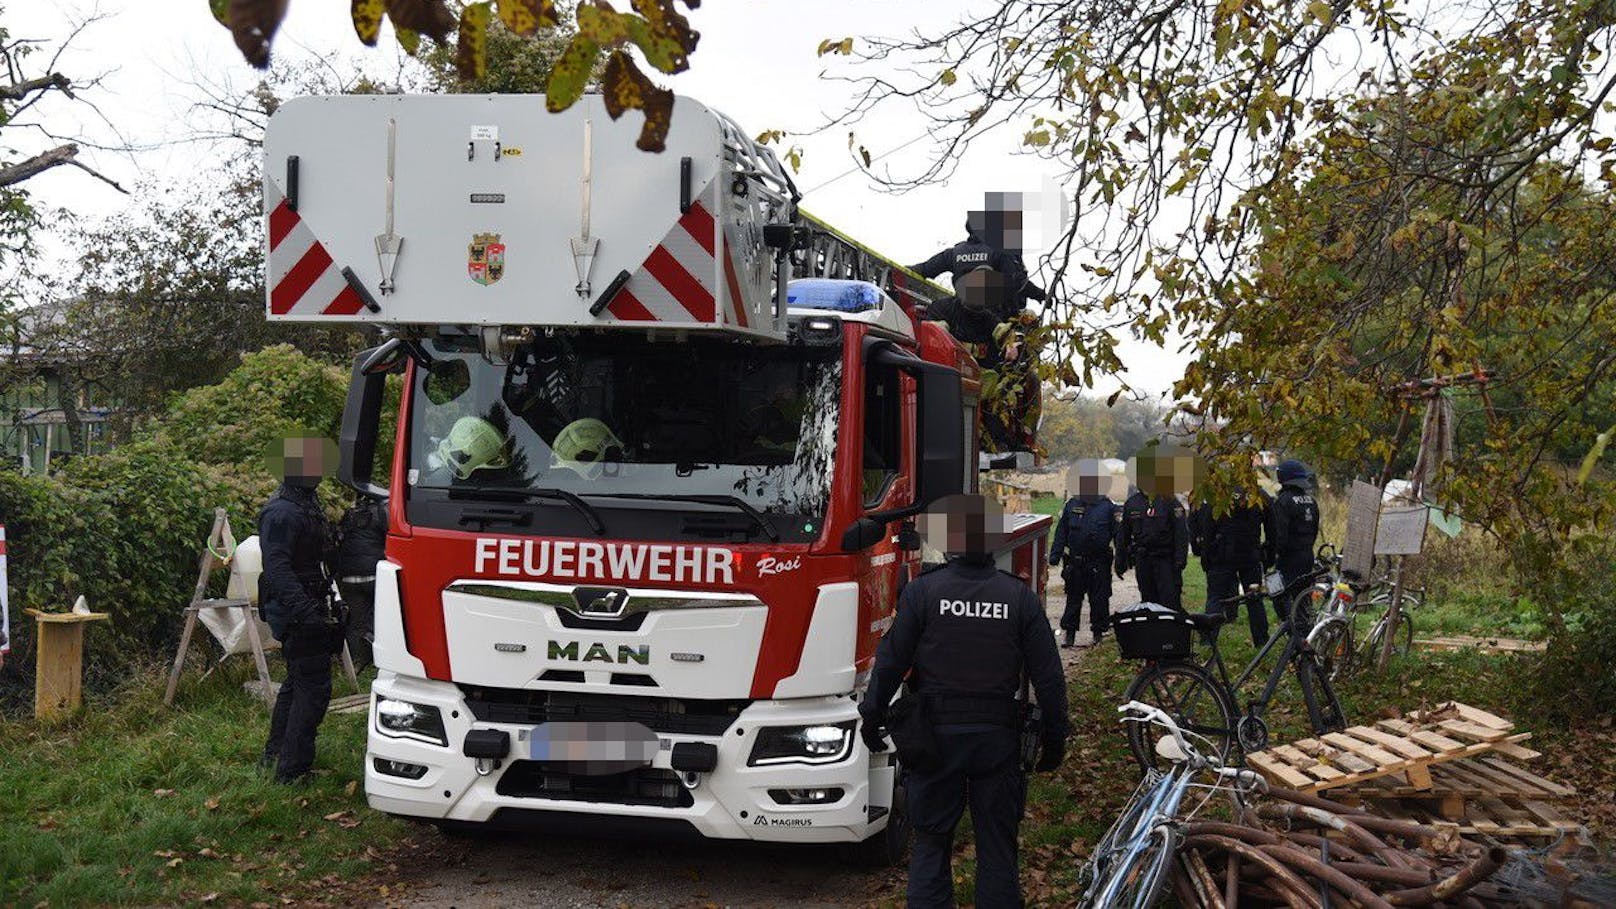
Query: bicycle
[(1200, 695), (1129, 866), (1380, 595)]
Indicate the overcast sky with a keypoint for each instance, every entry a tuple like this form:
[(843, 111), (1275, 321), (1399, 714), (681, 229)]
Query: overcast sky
[(756, 62)]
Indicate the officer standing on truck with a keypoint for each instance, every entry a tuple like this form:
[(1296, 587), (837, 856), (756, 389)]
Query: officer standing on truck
[(1232, 550), (295, 593), (362, 542), (1087, 531), (1294, 527), (966, 635), (1156, 534)]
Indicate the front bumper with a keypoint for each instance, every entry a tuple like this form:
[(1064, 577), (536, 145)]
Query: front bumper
[(731, 802)]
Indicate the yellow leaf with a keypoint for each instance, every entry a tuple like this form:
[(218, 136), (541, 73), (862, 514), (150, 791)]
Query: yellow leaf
[(623, 87), (1322, 12), (471, 45), (526, 17), (948, 77), (571, 73), (367, 19), (408, 40)]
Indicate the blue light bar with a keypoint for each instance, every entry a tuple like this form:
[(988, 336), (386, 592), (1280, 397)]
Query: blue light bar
[(834, 294)]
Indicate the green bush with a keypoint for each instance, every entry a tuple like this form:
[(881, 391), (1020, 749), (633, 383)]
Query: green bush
[(274, 393), (125, 528), (1574, 584)]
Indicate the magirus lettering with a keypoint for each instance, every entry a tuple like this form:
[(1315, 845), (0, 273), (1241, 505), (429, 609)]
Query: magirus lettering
[(576, 652)]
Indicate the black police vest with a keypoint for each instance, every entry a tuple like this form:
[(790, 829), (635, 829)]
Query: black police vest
[(968, 662), (1151, 524)]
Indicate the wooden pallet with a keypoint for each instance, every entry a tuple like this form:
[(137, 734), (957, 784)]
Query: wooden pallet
[(1409, 747), (1498, 818), (1482, 776), (1485, 645)]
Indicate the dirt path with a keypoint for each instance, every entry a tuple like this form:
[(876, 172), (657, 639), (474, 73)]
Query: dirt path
[(581, 873)]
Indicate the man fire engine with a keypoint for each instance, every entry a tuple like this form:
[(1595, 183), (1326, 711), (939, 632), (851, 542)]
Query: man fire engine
[(659, 440)]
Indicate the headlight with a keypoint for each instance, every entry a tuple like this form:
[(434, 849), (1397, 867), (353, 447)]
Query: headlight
[(824, 744), (404, 720)]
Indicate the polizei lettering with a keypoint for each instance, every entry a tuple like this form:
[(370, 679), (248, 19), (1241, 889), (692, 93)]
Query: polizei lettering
[(599, 653), (971, 610), (665, 563)]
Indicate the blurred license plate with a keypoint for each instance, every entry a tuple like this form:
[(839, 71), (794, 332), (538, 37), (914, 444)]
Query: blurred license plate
[(594, 748)]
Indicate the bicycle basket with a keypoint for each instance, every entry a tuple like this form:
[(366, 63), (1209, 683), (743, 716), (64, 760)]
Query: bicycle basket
[(1154, 633)]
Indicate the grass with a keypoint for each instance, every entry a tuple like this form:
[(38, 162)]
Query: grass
[(132, 803)]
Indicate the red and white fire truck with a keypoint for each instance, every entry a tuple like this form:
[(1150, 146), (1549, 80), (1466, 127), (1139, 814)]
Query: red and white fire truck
[(659, 440)]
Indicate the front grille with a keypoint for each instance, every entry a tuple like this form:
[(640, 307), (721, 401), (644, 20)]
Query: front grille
[(647, 786), (682, 716)]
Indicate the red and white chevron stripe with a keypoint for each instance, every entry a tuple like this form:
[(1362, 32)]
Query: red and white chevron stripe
[(302, 277), (679, 280)]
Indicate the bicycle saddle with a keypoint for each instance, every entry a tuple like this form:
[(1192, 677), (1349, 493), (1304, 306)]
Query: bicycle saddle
[(1206, 622)]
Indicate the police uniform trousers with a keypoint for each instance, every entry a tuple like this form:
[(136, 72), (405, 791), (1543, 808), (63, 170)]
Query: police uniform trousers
[(981, 766), (303, 698), (1226, 581), (1089, 577), (1160, 579), (360, 599)]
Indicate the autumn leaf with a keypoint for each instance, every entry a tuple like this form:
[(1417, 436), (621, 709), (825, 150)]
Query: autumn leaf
[(407, 39), (570, 74), (253, 24), (624, 87), (526, 17), (948, 77), (663, 35), (221, 11), (428, 17), (367, 19), (471, 46)]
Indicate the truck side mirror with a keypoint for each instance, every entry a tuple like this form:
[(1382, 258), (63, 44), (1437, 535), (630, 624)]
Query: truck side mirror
[(361, 417), (864, 533), (941, 434)]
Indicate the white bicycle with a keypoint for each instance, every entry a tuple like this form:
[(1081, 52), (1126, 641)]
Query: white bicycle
[(1129, 867)]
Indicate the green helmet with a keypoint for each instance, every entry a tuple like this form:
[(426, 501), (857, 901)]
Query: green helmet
[(583, 445), (472, 444)]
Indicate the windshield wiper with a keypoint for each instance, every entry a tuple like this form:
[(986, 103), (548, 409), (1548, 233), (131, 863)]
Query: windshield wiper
[(761, 519), (540, 492)]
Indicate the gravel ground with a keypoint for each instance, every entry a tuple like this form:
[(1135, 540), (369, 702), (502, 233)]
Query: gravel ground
[(606, 874)]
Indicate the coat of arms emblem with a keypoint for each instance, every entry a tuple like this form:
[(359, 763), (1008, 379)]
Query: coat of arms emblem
[(485, 259)]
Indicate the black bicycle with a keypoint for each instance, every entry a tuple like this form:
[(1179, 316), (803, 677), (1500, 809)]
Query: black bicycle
[(1199, 694)]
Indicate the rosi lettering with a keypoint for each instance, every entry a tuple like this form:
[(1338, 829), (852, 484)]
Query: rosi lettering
[(770, 565)]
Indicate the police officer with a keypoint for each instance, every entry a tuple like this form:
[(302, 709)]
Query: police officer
[(1085, 533), (295, 593), (987, 242), (1232, 550), (1295, 524), (965, 634), (1155, 535), (362, 542)]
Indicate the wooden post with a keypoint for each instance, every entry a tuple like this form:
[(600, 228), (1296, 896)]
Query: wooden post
[(59, 675)]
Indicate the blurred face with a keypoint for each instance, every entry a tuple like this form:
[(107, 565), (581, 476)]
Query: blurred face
[(981, 289), (964, 525), (302, 460)]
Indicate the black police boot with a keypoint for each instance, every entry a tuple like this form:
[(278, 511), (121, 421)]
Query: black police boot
[(1069, 637)]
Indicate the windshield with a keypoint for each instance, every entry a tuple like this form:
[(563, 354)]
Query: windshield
[(630, 422)]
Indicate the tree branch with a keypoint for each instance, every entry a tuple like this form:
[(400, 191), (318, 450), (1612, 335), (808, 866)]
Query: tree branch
[(38, 164), (19, 90)]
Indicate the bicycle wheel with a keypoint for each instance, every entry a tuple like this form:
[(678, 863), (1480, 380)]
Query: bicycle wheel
[(1141, 879), (1324, 711), (1402, 638), (1332, 643), (1193, 698)]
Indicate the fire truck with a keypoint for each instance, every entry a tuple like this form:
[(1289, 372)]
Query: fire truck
[(650, 484)]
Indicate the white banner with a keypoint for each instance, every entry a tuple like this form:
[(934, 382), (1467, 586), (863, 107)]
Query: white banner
[(5, 605)]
